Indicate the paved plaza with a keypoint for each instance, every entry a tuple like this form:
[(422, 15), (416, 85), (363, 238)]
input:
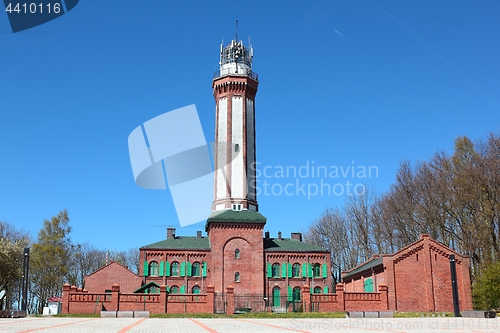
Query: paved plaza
[(123, 325)]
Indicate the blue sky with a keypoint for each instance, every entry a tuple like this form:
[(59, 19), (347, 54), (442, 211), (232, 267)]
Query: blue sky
[(342, 83)]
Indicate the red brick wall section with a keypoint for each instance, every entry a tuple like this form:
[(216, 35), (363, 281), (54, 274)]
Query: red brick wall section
[(103, 278), (75, 301), (224, 238)]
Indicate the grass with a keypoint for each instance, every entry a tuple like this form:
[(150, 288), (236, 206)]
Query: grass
[(422, 314), (266, 315), (253, 315)]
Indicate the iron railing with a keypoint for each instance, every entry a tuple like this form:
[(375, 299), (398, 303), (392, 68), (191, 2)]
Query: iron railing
[(232, 71)]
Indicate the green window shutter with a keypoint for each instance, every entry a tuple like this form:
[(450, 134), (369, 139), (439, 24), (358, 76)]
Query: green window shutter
[(168, 289), (309, 270), (325, 290), (183, 290), (289, 270), (290, 294), (204, 270), (283, 270), (146, 268), (304, 269), (161, 269), (183, 268), (189, 268), (324, 271), (269, 270), (167, 268)]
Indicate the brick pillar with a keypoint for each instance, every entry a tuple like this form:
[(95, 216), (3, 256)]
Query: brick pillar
[(339, 290), (72, 290), (306, 298), (384, 298), (115, 298), (210, 299), (65, 298), (163, 298), (230, 299)]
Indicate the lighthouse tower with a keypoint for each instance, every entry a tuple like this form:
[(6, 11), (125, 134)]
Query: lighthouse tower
[(234, 88)]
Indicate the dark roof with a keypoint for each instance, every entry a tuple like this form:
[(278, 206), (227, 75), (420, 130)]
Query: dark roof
[(181, 243), (146, 286), (232, 216), (367, 265), (287, 244)]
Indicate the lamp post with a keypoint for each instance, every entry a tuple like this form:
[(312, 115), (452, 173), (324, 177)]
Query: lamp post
[(24, 286), (454, 286)]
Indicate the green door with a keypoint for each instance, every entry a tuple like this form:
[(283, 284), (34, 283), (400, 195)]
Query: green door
[(276, 297), (368, 285)]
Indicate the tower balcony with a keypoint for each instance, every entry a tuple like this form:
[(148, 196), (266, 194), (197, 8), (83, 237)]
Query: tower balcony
[(236, 71)]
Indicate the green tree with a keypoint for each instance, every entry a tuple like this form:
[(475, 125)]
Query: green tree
[(486, 291), (50, 260), (12, 244)]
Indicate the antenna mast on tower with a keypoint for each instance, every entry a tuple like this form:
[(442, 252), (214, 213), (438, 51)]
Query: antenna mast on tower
[(236, 31)]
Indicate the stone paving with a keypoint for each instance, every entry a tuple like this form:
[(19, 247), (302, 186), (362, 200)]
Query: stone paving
[(153, 325)]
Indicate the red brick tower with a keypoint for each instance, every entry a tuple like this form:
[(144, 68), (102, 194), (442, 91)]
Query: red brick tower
[(235, 227), (234, 87)]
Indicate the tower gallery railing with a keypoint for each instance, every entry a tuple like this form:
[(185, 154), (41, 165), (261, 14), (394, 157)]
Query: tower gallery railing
[(232, 71)]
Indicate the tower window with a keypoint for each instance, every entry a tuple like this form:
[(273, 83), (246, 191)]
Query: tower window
[(237, 253), (237, 277), (236, 148)]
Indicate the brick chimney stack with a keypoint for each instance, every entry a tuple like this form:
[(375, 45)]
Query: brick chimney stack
[(170, 232), (297, 236)]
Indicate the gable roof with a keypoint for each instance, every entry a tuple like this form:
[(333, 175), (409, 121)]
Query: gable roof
[(288, 244), (181, 243), (232, 216), (146, 287), (111, 262), (367, 265)]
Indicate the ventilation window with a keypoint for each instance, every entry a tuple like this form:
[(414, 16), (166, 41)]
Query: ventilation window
[(435, 257), (237, 207), (237, 277), (236, 148), (417, 257), (237, 253)]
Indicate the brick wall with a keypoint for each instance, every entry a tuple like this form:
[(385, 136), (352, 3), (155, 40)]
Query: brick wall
[(224, 239), (102, 279), (78, 301)]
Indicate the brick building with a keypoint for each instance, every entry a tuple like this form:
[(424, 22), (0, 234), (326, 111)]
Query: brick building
[(418, 277), (236, 256), (101, 280)]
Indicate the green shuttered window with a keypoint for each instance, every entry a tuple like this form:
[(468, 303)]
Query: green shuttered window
[(324, 271), (146, 268), (269, 270), (167, 268), (162, 269), (283, 269)]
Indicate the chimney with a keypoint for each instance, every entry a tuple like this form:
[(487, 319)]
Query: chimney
[(279, 235), (297, 236), (198, 234), (266, 235), (170, 232)]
